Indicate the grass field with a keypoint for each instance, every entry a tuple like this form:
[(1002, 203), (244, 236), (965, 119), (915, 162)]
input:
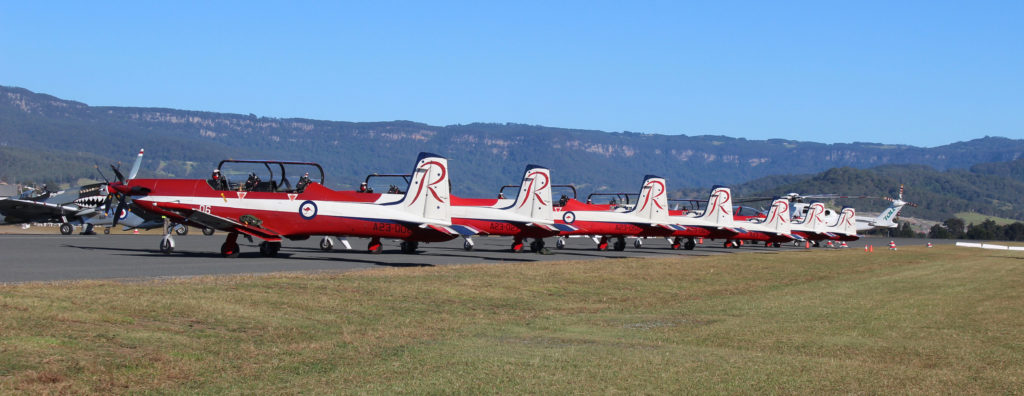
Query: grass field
[(942, 320), (977, 218)]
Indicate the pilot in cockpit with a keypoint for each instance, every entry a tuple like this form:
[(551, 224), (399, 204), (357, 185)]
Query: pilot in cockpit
[(303, 182), (218, 181), (252, 182)]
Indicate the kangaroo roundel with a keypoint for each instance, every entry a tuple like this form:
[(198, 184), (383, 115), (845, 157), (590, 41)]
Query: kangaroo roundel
[(308, 210)]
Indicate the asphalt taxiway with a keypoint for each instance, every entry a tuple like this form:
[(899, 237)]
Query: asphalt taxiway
[(28, 258)]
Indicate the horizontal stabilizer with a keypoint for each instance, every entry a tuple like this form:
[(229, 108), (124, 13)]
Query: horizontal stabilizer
[(465, 230)]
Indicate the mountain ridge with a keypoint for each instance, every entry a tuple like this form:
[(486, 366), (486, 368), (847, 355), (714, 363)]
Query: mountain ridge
[(189, 143)]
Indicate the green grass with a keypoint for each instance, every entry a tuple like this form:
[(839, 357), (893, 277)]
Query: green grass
[(942, 320), (977, 218)]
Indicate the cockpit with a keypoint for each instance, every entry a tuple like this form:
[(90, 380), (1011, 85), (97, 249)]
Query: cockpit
[(264, 176)]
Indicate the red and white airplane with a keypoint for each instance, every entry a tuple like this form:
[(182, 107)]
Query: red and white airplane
[(529, 215), (275, 210), (651, 217)]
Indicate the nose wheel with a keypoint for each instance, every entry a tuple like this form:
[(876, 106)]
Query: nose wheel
[(560, 243), (326, 244), (167, 244), (375, 247), (468, 245)]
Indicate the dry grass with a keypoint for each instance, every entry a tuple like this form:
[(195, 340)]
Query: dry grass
[(941, 320)]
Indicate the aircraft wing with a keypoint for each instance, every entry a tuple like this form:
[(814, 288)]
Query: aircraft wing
[(229, 225), (21, 210)]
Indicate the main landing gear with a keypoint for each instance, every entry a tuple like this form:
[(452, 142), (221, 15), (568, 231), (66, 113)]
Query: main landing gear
[(536, 246), (230, 246), (66, 229), (375, 247), (467, 245), (678, 243), (409, 247), (735, 244), (269, 249)]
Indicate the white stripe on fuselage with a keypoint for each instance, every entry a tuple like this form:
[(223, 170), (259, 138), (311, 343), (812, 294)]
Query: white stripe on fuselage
[(287, 206)]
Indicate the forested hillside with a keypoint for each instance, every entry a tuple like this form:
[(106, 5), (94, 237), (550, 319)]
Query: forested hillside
[(45, 138), (989, 189)]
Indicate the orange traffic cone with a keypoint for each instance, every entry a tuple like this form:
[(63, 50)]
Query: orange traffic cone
[(892, 245), (865, 248), (136, 231), (700, 240), (807, 244), (871, 248), (929, 244)]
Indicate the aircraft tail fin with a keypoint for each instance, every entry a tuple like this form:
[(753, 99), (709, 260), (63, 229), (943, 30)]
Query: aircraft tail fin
[(429, 192), (847, 221), (887, 217), (778, 216), (652, 202), (534, 199), (719, 210), (815, 219)]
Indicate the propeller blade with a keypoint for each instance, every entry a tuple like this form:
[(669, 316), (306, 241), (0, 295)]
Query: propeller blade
[(117, 214), (135, 166), (97, 166), (117, 173)]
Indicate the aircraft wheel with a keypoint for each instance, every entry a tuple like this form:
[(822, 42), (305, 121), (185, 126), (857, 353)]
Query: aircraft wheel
[(229, 249), (207, 231), (167, 245), (560, 243), (777, 244), (181, 229), (409, 247), (517, 246), (690, 244), (638, 243), (106, 231), (375, 247), (736, 245), (65, 229), (620, 245), (816, 244), (326, 244), (269, 249), (467, 245)]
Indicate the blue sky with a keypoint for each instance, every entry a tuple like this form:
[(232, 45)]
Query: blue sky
[(922, 73)]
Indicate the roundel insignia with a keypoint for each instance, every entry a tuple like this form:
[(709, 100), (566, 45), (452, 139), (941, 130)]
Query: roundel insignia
[(307, 210), (569, 217), (122, 215)]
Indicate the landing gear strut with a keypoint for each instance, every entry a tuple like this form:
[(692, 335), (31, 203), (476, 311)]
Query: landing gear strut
[(517, 244), (230, 246), (167, 242), (326, 244)]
